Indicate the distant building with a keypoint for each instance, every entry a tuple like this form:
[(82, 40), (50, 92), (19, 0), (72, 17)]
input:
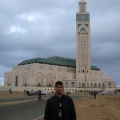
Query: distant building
[(79, 73)]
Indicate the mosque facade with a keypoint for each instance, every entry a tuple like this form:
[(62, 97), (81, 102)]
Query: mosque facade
[(76, 74)]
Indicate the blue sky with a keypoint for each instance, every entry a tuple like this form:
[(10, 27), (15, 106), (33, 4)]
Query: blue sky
[(45, 28)]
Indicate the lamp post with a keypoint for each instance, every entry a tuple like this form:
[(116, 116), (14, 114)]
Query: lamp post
[(85, 80)]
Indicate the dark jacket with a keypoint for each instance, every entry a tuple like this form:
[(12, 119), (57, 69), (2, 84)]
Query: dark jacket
[(51, 110)]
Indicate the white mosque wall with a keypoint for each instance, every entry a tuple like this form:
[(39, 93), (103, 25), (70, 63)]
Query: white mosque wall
[(44, 75), (32, 74)]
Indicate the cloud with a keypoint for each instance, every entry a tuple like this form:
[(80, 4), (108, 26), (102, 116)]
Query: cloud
[(15, 29)]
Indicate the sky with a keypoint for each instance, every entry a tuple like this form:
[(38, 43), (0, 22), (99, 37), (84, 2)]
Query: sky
[(46, 28)]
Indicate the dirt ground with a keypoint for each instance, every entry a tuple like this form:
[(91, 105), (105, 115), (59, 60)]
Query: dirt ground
[(104, 107), (11, 95)]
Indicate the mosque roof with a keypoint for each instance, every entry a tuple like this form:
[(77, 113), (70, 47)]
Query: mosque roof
[(61, 61)]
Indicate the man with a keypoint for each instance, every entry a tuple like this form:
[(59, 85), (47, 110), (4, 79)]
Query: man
[(10, 91), (95, 94), (59, 106), (39, 95)]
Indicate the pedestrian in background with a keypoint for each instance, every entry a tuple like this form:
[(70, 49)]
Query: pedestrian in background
[(39, 95), (95, 93), (91, 93), (10, 91), (59, 106)]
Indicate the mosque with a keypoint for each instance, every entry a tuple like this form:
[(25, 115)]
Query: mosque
[(76, 74)]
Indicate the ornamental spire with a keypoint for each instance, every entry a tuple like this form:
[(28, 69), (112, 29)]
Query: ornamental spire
[(82, 6)]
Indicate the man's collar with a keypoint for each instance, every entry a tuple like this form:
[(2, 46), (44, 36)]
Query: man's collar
[(62, 97)]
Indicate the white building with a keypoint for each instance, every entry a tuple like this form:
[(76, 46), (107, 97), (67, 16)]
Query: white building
[(76, 74)]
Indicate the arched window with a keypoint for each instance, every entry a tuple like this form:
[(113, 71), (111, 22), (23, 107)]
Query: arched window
[(79, 85), (99, 85), (49, 85), (66, 84), (73, 84), (83, 85)]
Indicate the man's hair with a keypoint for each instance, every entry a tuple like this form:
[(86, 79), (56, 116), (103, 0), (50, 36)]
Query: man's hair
[(59, 82)]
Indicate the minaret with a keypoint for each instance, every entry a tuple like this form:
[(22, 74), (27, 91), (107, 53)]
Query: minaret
[(82, 42)]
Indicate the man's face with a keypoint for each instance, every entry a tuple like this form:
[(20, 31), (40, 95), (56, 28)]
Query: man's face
[(59, 89)]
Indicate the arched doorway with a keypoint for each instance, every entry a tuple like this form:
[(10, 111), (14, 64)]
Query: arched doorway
[(25, 79), (25, 84), (79, 85), (39, 79), (16, 81), (49, 81)]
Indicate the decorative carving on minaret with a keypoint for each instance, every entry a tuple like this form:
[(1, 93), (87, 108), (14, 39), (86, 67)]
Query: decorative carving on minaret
[(82, 17)]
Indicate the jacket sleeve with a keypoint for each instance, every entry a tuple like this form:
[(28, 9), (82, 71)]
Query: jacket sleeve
[(47, 111), (73, 112)]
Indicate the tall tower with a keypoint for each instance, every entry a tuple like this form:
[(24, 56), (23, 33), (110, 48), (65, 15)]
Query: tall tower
[(82, 42)]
